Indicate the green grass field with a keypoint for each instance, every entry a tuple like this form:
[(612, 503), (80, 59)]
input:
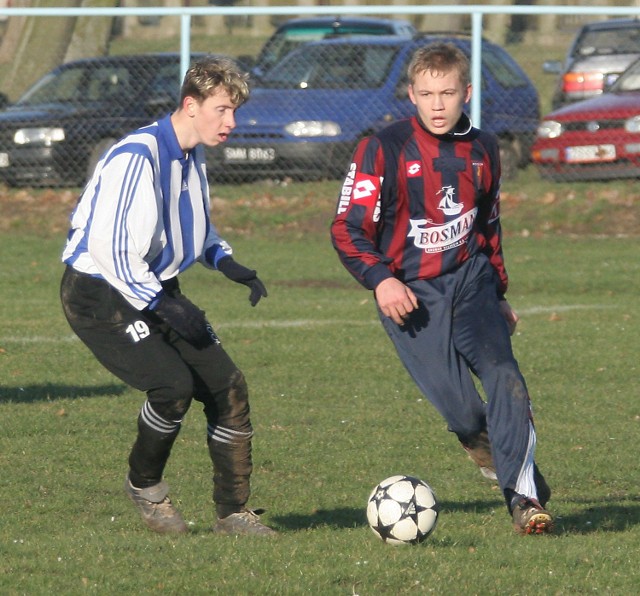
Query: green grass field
[(334, 413)]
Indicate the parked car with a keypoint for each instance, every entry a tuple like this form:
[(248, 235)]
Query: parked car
[(594, 139), (306, 115), (56, 132), (598, 54), (294, 32)]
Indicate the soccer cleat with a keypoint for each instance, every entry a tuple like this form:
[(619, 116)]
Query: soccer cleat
[(529, 517), (478, 449), (489, 473), (156, 508), (244, 522)]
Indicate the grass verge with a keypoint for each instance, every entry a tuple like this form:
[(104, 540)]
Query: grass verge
[(334, 414)]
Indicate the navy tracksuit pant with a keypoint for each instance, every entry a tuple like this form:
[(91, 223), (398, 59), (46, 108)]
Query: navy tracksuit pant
[(458, 330)]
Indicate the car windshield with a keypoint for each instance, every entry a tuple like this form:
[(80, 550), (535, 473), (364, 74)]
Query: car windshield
[(110, 83), (609, 41), (502, 69), (80, 84), (629, 80), (332, 67), (289, 39)]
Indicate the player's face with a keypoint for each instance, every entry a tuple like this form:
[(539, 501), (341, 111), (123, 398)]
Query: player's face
[(439, 98), (214, 118)]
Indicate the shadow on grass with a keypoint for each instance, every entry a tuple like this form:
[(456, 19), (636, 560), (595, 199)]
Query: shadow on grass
[(342, 517), (48, 392), (353, 517), (609, 514)]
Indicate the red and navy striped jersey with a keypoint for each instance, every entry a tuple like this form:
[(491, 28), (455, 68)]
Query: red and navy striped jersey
[(416, 205)]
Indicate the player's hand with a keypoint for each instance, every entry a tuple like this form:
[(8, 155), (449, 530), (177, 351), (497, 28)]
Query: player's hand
[(243, 275), (186, 319), (395, 300), (510, 316)]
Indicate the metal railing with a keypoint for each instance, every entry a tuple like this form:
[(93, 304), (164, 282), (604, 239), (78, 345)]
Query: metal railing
[(478, 19)]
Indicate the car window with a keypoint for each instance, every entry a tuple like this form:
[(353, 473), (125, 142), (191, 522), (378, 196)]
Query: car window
[(501, 69), (609, 41), (287, 40), (108, 84), (166, 81), (629, 80), (55, 87), (333, 67)]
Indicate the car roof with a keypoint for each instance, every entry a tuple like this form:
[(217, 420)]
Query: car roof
[(422, 37), (329, 20), (123, 58), (611, 24)]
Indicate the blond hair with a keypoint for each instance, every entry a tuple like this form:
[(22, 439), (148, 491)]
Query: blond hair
[(439, 58), (208, 74)]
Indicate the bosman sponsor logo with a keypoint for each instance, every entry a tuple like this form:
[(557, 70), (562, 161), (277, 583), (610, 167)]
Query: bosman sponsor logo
[(438, 238)]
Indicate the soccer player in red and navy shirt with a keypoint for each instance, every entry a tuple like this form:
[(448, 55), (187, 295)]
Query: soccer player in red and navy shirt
[(417, 222)]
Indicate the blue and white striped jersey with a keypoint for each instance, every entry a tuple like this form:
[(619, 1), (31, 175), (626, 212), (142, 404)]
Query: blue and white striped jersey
[(144, 216)]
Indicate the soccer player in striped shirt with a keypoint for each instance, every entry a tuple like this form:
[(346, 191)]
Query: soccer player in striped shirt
[(142, 219), (418, 223)]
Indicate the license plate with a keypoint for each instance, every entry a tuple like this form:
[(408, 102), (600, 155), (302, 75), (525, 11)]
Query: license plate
[(4, 160), (249, 154), (590, 153)]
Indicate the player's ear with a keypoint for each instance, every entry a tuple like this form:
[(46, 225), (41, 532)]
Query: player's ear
[(412, 96), (189, 105), (468, 92)]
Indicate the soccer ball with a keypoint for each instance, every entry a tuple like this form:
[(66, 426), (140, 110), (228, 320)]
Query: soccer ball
[(402, 510)]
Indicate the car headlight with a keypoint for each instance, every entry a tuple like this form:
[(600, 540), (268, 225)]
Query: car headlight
[(632, 124), (40, 136), (313, 128), (549, 129)]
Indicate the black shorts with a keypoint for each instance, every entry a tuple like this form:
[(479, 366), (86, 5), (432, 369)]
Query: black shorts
[(138, 347)]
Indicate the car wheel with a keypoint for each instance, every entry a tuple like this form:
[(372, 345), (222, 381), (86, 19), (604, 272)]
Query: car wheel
[(510, 156), (96, 153)]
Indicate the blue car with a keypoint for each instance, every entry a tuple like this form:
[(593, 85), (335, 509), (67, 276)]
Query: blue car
[(293, 33), (307, 113)]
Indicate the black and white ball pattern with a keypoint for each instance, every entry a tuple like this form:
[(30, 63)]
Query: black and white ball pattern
[(402, 510)]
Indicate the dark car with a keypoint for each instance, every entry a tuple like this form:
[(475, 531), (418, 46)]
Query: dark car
[(306, 115), (56, 132), (292, 33), (598, 54), (594, 139)]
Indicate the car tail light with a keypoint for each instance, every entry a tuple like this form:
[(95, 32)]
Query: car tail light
[(581, 82)]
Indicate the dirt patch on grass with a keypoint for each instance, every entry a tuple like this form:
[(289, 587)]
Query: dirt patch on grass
[(597, 211), (44, 212)]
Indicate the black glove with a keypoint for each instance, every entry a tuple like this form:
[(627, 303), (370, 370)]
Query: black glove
[(240, 274), (186, 319)]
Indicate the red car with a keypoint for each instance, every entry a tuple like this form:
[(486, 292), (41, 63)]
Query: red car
[(594, 139)]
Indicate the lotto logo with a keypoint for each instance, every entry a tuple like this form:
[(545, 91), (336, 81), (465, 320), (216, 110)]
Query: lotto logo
[(358, 186), (414, 169), (363, 189)]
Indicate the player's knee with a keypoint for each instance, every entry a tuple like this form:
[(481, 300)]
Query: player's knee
[(510, 379), (236, 410), (172, 399)]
